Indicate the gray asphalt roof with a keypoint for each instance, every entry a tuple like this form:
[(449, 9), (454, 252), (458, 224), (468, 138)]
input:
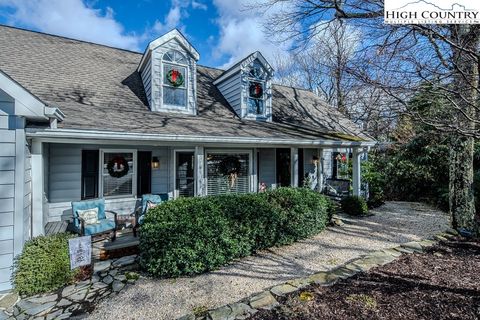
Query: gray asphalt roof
[(98, 87)]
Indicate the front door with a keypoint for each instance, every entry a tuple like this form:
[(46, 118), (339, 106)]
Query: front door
[(283, 167), (185, 173)]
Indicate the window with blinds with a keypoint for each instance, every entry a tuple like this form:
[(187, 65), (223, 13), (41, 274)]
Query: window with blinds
[(220, 183), (117, 186)]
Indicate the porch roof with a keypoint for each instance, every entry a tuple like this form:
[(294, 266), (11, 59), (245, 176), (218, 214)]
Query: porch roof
[(99, 89)]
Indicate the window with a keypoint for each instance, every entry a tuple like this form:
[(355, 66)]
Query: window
[(118, 175), (89, 174), (228, 173), (174, 79), (256, 92)]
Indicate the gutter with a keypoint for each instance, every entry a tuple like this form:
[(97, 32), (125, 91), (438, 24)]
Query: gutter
[(50, 135)]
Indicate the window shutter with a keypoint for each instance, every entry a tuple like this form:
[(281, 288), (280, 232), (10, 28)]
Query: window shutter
[(89, 174), (144, 172)]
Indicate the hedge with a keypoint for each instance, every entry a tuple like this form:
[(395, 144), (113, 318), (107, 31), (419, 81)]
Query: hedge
[(354, 205), (193, 235), (43, 265)]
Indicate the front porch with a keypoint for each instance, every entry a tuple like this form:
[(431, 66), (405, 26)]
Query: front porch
[(65, 172)]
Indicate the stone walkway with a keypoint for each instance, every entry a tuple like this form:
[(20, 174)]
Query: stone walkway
[(76, 300), (393, 224)]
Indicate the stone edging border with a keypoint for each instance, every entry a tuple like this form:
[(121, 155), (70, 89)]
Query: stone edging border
[(267, 298)]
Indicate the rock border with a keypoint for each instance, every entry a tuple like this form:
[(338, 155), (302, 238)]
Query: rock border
[(266, 299), (76, 300)]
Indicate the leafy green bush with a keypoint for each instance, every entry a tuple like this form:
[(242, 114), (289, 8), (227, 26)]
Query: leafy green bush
[(354, 205), (193, 235), (43, 265)]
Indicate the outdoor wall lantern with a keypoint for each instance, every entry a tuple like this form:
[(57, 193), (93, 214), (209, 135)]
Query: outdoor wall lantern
[(155, 163), (315, 159)]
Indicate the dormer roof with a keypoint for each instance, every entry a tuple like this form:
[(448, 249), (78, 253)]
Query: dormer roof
[(242, 63), (172, 34)]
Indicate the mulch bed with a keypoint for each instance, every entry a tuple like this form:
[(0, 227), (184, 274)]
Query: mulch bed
[(443, 283)]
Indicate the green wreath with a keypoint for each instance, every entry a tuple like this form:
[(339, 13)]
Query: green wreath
[(256, 90), (175, 77), (118, 167), (229, 165)]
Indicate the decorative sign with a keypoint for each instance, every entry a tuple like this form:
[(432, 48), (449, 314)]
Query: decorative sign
[(80, 251)]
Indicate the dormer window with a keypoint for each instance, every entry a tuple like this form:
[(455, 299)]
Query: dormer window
[(174, 79), (256, 91)]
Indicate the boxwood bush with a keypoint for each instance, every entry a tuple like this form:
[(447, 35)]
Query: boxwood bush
[(354, 205), (193, 235), (43, 265)]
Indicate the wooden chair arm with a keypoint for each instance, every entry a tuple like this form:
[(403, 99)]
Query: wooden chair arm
[(114, 217)]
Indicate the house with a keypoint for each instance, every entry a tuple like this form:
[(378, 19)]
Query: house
[(80, 120)]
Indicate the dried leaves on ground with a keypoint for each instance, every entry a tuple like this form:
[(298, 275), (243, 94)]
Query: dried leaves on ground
[(443, 283)]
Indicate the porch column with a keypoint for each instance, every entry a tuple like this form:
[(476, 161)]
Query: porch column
[(294, 169), (320, 170), (200, 171), (254, 179), (37, 189), (356, 171)]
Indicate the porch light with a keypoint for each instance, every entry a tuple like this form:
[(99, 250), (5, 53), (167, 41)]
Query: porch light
[(315, 159), (155, 163)]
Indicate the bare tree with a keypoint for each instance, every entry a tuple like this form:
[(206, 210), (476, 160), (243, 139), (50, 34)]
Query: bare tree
[(399, 58)]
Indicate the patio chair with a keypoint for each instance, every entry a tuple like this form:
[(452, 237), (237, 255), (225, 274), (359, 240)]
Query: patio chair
[(337, 188), (103, 224), (142, 209)]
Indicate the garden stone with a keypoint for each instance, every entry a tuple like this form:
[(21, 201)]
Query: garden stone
[(320, 278), (187, 317), (64, 302), (113, 272), (264, 300), (241, 310), (353, 267), (65, 315), (98, 286), (108, 279), (121, 278), (40, 310), (54, 315), (3, 316), (68, 290), (25, 304), (102, 266), (451, 231), (117, 286), (440, 238), (403, 250), (392, 252), (300, 283), (43, 299), (427, 243), (283, 289), (95, 278), (415, 246), (342, 273), (222, 313), (124, 261), (8, 300), (78, 296)]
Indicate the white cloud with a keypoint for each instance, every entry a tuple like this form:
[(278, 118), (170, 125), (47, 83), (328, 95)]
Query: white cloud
[(71, 18), (242, 32), (199, 5)]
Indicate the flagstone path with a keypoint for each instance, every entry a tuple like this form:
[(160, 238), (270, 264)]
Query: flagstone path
[(393, 224)]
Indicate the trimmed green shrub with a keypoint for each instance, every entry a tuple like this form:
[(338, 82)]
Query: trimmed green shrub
[(354, 205), (193, 235), (43, 265)]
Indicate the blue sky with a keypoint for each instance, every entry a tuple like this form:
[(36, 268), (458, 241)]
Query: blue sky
[(223, 31)]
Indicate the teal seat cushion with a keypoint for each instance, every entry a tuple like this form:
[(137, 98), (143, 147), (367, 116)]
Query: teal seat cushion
[(102, 226), (88, 204), (153, 198)]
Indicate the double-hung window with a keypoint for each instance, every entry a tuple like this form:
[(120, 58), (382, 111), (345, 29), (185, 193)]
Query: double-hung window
[(175, 79), (118, 172)]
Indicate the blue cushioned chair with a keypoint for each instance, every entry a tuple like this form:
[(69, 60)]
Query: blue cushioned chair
[(142, 209), (105, 224)]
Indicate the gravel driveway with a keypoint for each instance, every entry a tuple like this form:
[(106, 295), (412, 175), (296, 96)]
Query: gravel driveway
[(393, 223)]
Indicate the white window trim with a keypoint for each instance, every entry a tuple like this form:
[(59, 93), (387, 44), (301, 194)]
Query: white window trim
[(134, 174), (174, 166), (186, 79), (231, 151)]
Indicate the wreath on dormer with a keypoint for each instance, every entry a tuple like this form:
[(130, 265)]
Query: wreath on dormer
[(175, 77), (118, 167), (256, 90)]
